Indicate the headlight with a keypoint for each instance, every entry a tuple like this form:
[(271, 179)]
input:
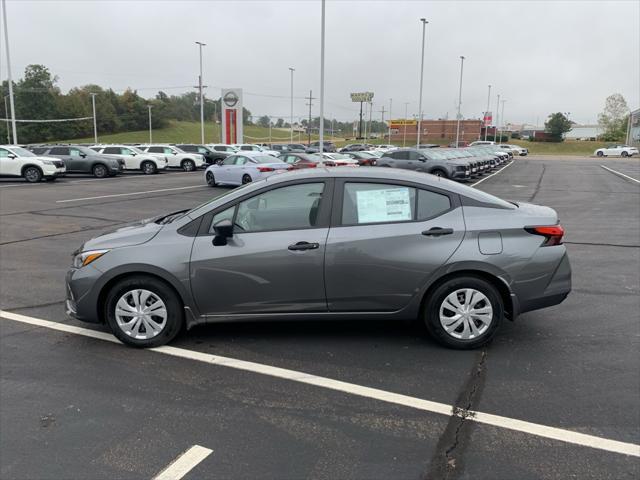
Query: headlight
[(85, 258), (47, 162)]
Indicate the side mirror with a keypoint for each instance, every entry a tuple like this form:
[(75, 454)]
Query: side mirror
[(83, 155), (223, 230), (422, 159), (11, 155)]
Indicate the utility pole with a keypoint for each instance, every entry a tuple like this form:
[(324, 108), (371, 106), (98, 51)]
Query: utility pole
[(486, 127), (382, 111), (495, 134), (502, 118), (95, 125), (269, 130), (200, 45), (310, 104), (291, 123), (370, 115), (360, 124), (424, 28), (9, 78), (404, 134), (321, 132), (459, 102), (150, 134)]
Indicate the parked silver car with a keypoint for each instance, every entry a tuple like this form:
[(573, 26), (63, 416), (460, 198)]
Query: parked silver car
[(361, 243)]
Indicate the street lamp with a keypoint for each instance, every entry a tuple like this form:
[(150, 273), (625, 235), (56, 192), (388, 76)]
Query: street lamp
[(459, 101), (495, 133), (404, 133), (150, 135), (291, 123), (200, 45), (486, 127), (390, 105), (95, 124), (321, 133), (11, 102), (502, 118), (6, 116), (424, 28)]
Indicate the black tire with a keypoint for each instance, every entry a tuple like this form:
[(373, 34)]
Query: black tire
[(32, 174), (100, 171), (600, 154), (246, 178), (173, 304), (625, 154), (211, 179), (188, 165), (431, 313), (148, 167), (439, 173)]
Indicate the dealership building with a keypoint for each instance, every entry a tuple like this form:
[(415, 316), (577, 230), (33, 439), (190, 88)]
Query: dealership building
[(435, 131)]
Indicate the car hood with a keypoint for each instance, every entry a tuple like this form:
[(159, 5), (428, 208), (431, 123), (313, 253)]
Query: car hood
[(128, 235)]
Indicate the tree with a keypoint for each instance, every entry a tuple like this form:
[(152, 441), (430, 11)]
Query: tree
[(557, 125), (279, 123), (613, 119), (264, 121)]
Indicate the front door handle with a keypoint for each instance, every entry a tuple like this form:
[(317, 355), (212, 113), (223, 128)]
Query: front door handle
[(437, 231), (304, 246)]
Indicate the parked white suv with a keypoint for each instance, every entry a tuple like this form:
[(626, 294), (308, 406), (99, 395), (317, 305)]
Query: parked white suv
[(176, 157), (515, 149), (250, 147), (19, 162), (134, 158), (222, 147)]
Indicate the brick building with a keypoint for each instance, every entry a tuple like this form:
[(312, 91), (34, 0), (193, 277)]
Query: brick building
[(436, 131)]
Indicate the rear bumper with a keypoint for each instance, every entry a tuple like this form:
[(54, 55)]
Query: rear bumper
[(556, 291)]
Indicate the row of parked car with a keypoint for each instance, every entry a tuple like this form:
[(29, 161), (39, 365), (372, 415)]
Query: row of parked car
[(460, 164), (38, 162)]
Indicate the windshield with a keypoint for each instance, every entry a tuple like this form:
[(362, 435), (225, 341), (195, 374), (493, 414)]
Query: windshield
[(22, 152), (228, 192)]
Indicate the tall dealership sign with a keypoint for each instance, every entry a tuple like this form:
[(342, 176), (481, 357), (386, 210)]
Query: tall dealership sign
[(361, 97), (232, 115)]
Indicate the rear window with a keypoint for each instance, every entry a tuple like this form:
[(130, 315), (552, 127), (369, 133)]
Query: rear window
[(264, 159)]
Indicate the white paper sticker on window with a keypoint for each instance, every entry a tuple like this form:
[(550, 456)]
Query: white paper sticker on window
[(386, 205)]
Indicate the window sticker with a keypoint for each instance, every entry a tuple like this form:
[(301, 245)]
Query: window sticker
[(386, 205)]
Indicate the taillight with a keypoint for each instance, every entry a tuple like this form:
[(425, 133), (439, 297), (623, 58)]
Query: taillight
[(552, 234), (265, 169)]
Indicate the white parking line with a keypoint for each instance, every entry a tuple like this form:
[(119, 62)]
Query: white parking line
[(494, 173), (560, 434), (128, 194), (615, 172), (184, 463)]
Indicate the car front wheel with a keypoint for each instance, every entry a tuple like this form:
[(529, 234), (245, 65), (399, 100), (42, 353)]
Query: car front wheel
[(439, 173), (32, 174), (464, 312), (148, 168), (600, 154), (143, 312), (246, 178), (211, 179), (188, 165), (625, 154), (100, 171)]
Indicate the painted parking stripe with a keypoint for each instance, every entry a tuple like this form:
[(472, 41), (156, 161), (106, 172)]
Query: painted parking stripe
[(530, 428), (132, 193), (184, 463), (495, 173), (615, 172)]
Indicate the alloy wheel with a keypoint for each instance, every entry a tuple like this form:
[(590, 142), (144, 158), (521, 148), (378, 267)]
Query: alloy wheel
[(466, 314), (141, 314)]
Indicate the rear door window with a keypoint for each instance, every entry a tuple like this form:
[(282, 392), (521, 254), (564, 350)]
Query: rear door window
[(364, 203), (59, 151)]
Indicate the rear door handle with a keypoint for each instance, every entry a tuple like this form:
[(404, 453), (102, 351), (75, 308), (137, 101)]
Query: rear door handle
[(304, 246), (437, 231)]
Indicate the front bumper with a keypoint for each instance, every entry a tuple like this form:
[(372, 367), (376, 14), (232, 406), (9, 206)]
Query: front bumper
[(81, 296)]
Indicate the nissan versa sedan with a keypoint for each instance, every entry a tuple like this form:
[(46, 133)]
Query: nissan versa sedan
[(320, 243), (242, 168)]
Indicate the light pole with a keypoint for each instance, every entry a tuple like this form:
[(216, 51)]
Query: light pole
[(9, 78), (150, 135), (390, 105), (424, 28), (200, 45), (404, 134), (6, 116), (291, 123), (502, 119), (486, 127), (459, 101), (95, 124), (321, 139), (495, 133)]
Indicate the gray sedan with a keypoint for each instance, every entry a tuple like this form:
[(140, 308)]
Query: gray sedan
[(327, 243)]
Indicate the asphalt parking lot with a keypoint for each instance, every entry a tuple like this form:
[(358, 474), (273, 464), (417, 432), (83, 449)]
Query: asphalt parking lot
[(78, 407)]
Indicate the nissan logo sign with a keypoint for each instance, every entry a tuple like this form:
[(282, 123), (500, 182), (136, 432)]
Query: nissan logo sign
[(230, 99)]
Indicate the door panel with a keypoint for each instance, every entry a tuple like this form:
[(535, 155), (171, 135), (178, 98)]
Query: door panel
[(381, 267), (258, 273)]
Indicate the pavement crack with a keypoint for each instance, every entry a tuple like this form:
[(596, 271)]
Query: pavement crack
[(621, 245), (86, 217), (537, 189), (37, 305), (84, 229), (447, 461)]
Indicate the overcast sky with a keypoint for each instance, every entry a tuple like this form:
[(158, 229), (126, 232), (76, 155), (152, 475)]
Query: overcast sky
[(541, 56)]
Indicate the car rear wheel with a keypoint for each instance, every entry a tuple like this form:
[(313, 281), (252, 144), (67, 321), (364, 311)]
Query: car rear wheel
[(32, 174), (143, 312), (100, 171), (464, 312), (188, 165), (211, 179), (246, 178), (600, 154), (148, 168), (625, 154)]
